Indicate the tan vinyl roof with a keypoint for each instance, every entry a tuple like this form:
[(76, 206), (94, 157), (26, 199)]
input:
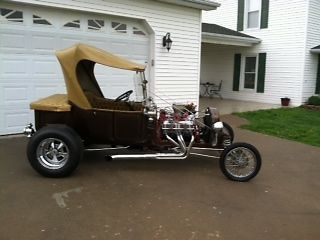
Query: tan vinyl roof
[(71, 57)]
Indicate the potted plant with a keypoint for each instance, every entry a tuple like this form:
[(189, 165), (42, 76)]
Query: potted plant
[(285, 101), (191, 107)]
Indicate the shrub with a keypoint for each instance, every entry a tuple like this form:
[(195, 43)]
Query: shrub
[(314, 100)]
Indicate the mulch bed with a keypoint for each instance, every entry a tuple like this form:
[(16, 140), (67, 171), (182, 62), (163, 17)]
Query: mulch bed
[(311, 107)]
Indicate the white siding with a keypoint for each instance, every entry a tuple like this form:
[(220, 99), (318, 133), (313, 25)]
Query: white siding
[(226, 15), (175, 74), (311, 60), (283, 41)]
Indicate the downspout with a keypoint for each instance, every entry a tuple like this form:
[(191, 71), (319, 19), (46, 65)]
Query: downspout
[(199, 62), (306, 51)]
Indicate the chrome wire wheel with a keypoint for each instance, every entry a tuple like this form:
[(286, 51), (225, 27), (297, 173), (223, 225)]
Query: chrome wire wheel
[(240, 162), (52, 153)]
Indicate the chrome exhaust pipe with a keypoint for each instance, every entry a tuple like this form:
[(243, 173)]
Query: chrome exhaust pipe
[(180, 155)]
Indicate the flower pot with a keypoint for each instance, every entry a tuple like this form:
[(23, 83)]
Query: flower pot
[(285, 101)]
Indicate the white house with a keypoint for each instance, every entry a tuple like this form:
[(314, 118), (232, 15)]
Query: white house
[(279, 58), (31, 31)]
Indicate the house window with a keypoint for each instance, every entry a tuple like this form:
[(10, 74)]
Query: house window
[(137, 31), (73, 24), (95, 24), (119, 27), (250, 70), (40, 20), (253, 13), (11, 15)]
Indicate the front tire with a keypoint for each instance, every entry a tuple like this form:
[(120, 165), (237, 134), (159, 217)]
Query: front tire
[(55, 151), (227, 129), (240, 162)]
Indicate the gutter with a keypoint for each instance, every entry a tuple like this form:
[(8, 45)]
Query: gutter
[(230, 37), (315, 50), (206, 5)]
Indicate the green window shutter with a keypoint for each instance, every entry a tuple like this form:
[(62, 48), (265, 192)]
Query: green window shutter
[(318, 78), (261, 72), (236, 72), (264, 13), (240, 15)]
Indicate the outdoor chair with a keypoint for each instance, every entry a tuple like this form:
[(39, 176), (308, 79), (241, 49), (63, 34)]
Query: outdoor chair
[(215, 90)]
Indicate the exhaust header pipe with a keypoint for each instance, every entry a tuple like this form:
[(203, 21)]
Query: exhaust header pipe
[(182, 154)]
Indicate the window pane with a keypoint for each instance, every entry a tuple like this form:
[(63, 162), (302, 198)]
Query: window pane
[(11, 15), (249, 80), (253, 5), (250, 72), (137, 31), (15, 15), (73, 24), (39, 20), (250, 65), (253, 19), (5, 11), (119, 27), (95, 24)]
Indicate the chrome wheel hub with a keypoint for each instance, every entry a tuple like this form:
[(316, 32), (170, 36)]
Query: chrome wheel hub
[(240, 162), (52, 153)]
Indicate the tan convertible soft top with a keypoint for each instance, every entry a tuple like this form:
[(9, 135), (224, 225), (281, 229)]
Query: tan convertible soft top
[(78, 62)]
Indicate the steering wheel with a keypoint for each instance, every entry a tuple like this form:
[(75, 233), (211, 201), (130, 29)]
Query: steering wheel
[(124, 96)]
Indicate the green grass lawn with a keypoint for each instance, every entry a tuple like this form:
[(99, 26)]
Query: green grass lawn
[(298, 124)]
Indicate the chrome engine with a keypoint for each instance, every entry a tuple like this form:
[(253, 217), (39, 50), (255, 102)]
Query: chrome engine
[(178, 129), (179, 132)]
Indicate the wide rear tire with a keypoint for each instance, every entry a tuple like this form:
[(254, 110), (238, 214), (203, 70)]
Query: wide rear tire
[(55, 151), (240, 162)]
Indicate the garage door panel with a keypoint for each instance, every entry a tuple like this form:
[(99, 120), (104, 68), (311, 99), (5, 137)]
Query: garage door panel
[(14, 67), (41, 91), (66, 42), (43, 43), (46, 68), (15, 121), (15, 94), (100, 43), (13, 41), (120, 48)]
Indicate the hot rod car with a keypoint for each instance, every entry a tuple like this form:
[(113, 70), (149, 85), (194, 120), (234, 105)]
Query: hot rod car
[(68, 124)]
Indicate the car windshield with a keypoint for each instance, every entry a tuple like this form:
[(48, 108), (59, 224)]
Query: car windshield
[(114, 82)]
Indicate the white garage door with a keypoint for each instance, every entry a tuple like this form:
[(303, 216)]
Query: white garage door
[(29, 69)]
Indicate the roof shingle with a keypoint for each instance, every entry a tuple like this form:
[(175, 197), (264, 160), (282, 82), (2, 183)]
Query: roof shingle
[(217, 29)]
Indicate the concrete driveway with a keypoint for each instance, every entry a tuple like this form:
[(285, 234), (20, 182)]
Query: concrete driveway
[(183, 200)]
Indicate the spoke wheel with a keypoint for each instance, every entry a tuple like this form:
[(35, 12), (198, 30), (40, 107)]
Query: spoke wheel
[(240, 162)]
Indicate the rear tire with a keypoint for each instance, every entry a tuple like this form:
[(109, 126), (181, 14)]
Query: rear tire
[(55, 151), (240, 162)]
